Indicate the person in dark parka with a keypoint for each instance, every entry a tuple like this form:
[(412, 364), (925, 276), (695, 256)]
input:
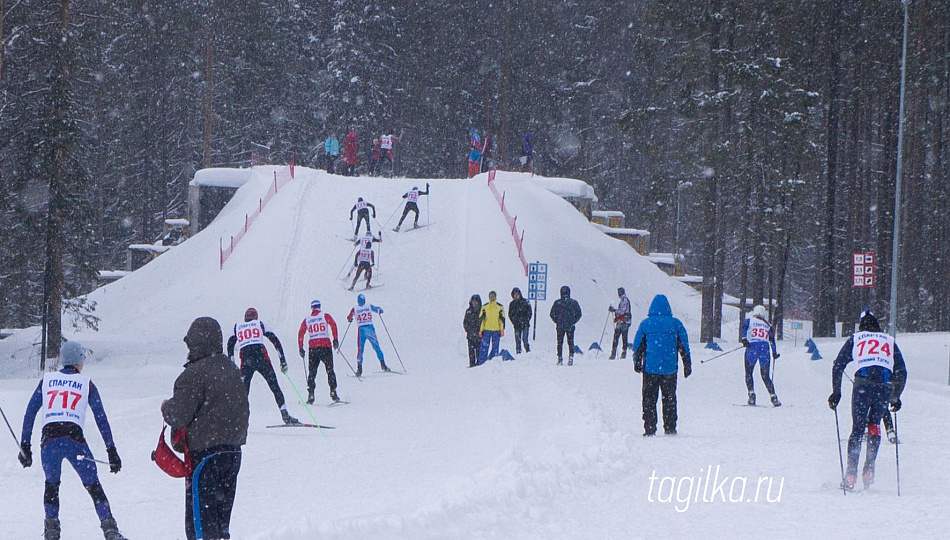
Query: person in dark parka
[(471, 323), (519, 313), (210, 402), (659, 342), (565, 313)]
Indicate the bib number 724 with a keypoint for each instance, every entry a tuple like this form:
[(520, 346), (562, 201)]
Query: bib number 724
[(874, 347), (53, 394)]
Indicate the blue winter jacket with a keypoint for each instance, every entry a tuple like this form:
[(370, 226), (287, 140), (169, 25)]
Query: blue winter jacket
[(659, 338), (759, 351), (332, 146)]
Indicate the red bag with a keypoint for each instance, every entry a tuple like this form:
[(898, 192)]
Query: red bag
[(166, 458)]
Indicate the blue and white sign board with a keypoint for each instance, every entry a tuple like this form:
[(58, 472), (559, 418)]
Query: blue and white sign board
[(537, 281)]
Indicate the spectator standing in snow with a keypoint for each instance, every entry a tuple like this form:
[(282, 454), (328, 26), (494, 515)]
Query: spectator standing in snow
[(492, 328), (249, 336), (622, 320), (412, 200), (386, 151), (362, 209), (519, 311), (331, 150), (64, 397), (565, 313), (374, 159), (527, 155), (878, 383), (474, 152), (659, 342), (210, 403), (363, 313), (350, 154), (487, 162), (472, 325), (317, 327), (759, 341)]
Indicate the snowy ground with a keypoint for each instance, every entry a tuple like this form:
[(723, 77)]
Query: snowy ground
[(510, 450)]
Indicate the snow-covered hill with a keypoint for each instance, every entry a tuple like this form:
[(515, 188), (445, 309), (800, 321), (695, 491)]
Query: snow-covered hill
[(509, 450)]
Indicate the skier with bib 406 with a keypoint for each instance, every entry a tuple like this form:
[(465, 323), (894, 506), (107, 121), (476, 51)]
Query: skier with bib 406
[(363, 313), (759, 341), (249, 336), (412, 199), (362, 209), (317, 328), (878, 382), (364, 260), (63, 397)]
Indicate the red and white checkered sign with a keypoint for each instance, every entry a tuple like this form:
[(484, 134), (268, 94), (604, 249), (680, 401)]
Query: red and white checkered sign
[(862, 266)]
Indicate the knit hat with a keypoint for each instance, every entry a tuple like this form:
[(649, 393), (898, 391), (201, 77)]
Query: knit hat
[(204, 338), (72, 354), (314, 304)]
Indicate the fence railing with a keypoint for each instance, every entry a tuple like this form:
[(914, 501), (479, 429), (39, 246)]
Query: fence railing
[(281, 178), (512, 221)]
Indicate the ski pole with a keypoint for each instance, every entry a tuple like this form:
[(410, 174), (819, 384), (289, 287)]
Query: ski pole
[(343, 356), (348, 324), (392, 343), (897, 454), (19, 446), (602, 333), (390, 218), (844, 490), (723, 354), (348, 259), (87, 458), (304, 403)]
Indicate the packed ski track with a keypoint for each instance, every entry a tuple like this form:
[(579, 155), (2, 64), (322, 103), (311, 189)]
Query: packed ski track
[(521, 449)]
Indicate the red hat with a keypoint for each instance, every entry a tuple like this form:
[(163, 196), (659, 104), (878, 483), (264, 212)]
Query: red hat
[(250, 314)]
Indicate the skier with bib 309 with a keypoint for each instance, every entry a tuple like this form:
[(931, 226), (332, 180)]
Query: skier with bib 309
[(363, 313), (317, 328), (878, 382), (249, 337), (759, 341), (364, 261), (412, 199), (64, 397), (362, 209)]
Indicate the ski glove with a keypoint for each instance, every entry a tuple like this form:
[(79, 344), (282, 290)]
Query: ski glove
[(336, 344), (638, 366), (687, 370), (115, 464), (895, 404), (833, 400), (26, 455), (776, 356), (745, 342), (380, 311), (283, 365), (303, 353)]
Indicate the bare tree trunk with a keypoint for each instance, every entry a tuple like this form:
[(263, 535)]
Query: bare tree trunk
[(708, 328), (208, 106)]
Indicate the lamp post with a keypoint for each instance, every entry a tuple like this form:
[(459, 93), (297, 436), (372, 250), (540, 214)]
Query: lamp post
[(676, 240), (895, 250)]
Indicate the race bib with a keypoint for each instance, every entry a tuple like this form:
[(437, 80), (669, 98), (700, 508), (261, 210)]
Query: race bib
[(364, 315), (317, 327), (873, 349), (365, 256), (65, 398), (413, 196), (249, 333), (758, 330), (361, 205)]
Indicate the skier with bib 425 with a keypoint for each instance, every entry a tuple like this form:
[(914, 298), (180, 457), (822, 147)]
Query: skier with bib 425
[(317, 327), (364, 260), (878, 382), (759, 341), (249, 336), (412, 199), (63, 397), (363, 313)]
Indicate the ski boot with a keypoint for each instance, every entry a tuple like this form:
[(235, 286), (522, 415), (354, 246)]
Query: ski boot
[(51, 529), (570, 360), (775, 401), (396, 229), (892, 436), (310, 397), (751, 402), (526, 348), (384, 367), (334, 397), (559, 362), (289, 420), (110, 530), (359, 370), (868, 476), (623, 354), (613, 355), (849, 480)]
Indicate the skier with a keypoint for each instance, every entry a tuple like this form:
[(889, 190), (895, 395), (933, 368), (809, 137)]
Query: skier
[(491, 328), (64, 397), (331, 150), (350, 153), (386, 151), (622, 320), (362, 209), (565, 313), (317, 327), (474, 153), (363, 313), (759, 341), (374, 158), (519, 311), (527, 155), (472, 326), (368, 237), (657, 345), (249, 336), (878, 382), (412, 198), (364, 260)]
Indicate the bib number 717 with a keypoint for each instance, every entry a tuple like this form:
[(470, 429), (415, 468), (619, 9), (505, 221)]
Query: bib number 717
[(53, 394)]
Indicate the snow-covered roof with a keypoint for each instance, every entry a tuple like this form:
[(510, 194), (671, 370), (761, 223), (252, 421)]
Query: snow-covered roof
[(154, 248), (621, 231), (607, 213), (113, 274), (221, 177), (566, 187), (690, 279), (177, 222)]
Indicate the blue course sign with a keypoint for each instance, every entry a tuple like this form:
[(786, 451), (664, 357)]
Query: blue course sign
[(537, 281)]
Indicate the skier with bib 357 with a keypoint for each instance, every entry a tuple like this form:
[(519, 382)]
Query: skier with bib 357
[(412, 199), (759, 341), (878, 382), (317, 327), (363, 313), (249, 336), (63, 397)]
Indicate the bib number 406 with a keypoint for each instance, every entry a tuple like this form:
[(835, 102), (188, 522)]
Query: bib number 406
[(317, 328)]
